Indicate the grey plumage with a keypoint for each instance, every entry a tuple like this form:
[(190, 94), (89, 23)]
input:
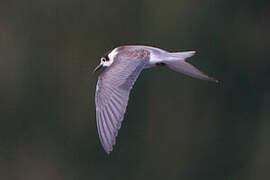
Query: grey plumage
[(112, 94), (124, 65)]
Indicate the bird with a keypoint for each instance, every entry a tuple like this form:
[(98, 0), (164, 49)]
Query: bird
[(122, 66)]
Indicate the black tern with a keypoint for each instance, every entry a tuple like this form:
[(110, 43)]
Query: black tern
[(124, 64)]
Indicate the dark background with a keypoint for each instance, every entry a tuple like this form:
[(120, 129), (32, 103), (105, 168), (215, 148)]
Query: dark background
[(175, 127)]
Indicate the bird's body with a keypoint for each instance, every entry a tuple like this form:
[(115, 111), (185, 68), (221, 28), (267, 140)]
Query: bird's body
[(156, 55), (124, 64)]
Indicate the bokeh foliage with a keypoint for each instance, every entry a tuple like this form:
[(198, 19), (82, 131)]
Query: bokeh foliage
[(176, 127)]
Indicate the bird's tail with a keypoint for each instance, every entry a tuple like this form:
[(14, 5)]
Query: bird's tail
[(177, 62)]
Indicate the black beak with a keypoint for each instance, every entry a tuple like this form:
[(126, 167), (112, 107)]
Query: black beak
[(97, 68)]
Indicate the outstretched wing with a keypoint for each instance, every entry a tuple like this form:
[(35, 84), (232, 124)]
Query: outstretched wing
[(112, 94), (178, 63), (188, 69)]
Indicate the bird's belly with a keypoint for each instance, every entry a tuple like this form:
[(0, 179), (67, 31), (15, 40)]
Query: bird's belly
[(153, 61)]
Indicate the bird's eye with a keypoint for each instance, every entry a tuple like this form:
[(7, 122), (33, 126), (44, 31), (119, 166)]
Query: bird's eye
[(103, 59), (107, 58)]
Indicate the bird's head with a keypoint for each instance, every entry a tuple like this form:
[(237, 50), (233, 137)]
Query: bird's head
[(106, 60)]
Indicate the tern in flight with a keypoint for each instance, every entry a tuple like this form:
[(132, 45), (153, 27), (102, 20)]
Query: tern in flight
[(123, 66)]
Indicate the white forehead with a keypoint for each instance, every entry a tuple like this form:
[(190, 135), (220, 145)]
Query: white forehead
[(113, 54)]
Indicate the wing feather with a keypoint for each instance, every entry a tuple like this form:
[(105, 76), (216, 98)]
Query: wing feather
[(103, 134), (112, 94)]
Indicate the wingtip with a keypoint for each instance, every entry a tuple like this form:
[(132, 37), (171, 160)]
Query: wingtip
[(108, 150), (214, 80)]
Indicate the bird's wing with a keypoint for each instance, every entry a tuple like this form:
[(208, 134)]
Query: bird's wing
[(190, 70), (177, 61), (112, 93)]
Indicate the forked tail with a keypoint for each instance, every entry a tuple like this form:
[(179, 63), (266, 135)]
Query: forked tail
[(178, 63)]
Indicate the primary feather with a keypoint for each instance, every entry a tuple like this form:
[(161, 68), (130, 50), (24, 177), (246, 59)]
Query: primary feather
[(112, 94)]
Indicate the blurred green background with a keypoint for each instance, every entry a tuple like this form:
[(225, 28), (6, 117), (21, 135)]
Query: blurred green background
[(175, 127)]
